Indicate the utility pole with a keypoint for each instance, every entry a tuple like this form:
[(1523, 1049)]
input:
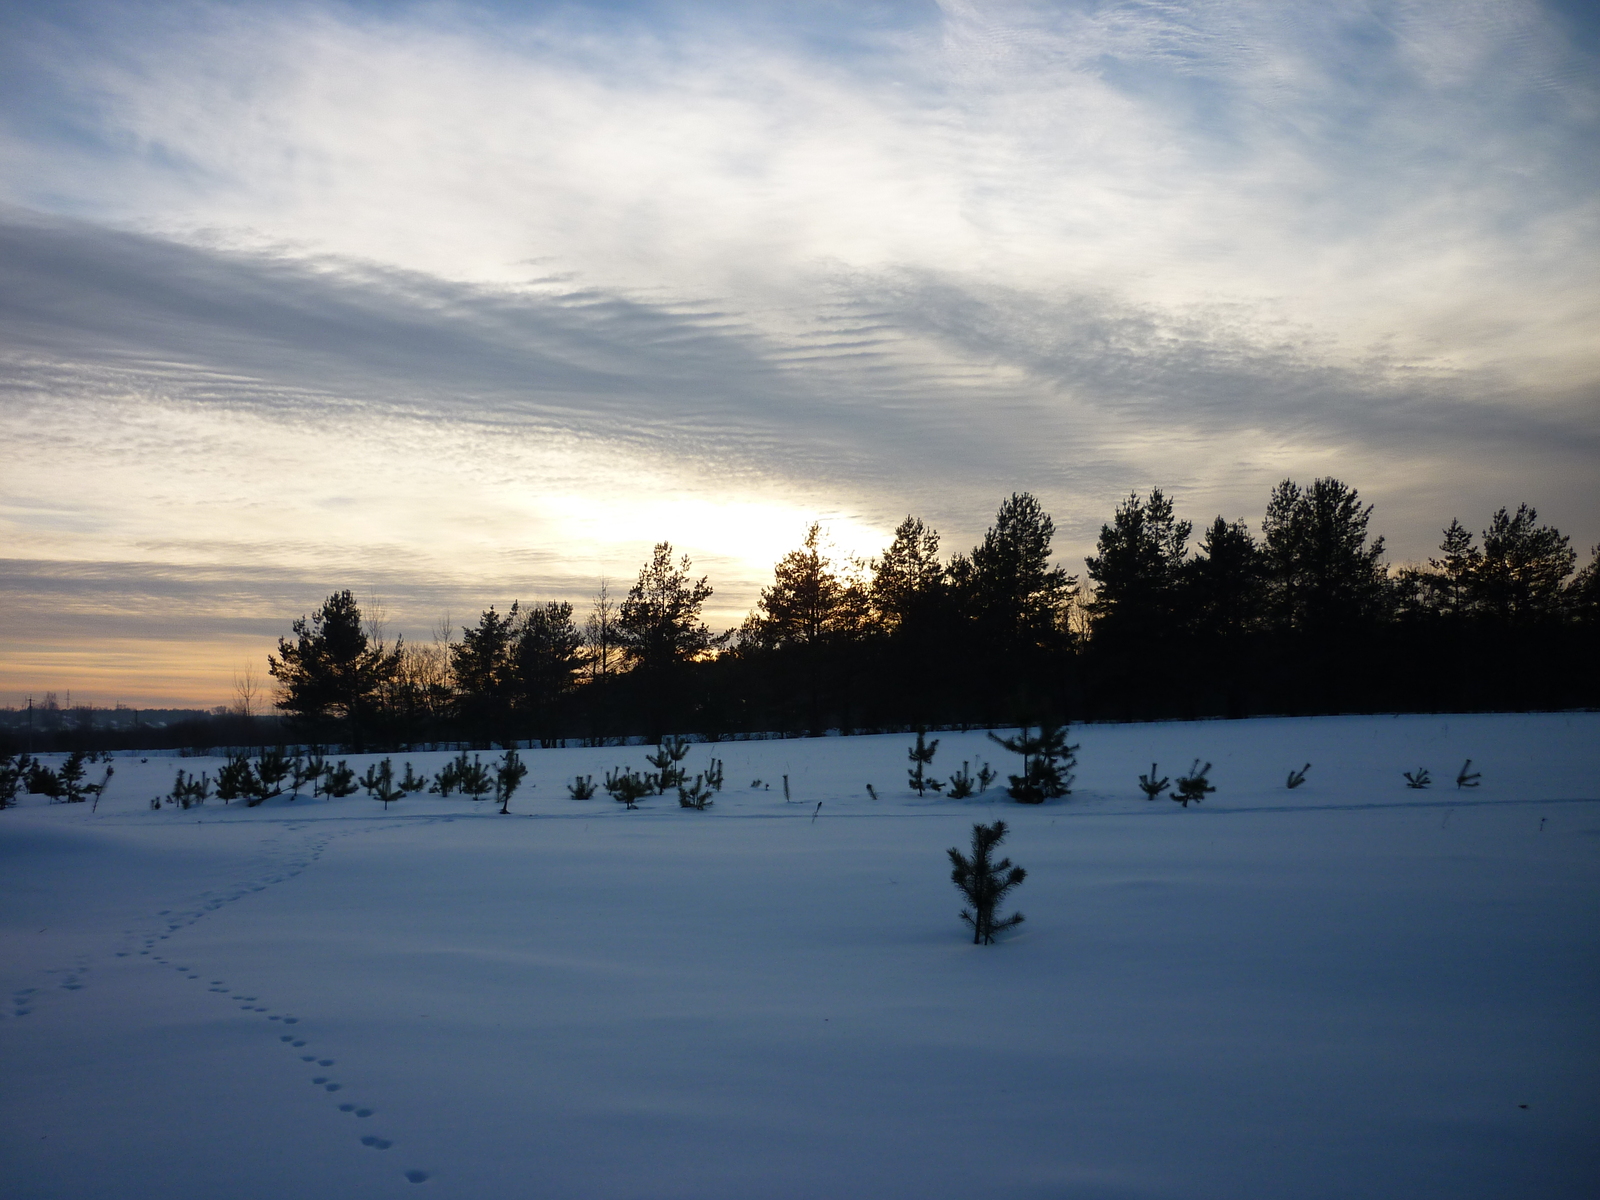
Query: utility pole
[(30, 726)]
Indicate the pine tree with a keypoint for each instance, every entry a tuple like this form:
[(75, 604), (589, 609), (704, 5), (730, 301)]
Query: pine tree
[(985, 882), (922, 755), (1519, 579), (1138, 570), (1018, 598), (332, 668), (508, 773), (658, 626), (1047, 761), (548, 655)]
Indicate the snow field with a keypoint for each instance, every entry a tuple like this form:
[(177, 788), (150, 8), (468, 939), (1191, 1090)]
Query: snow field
[(1348, 989)]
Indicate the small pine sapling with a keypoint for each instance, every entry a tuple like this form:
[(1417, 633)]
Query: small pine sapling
[(299, 776), (695, 795), (960, 783), (1467, 777), (985, 883), (450, 777), (1419, 780), (236, 778), (1047, 761), (665, 761), (40, 780), (316, 767), (272, 766), (1296, 778), (1193, 786), (922, 755), (412, 782), (339, 780), (1150, 785), (71, 774), (629, 787), (476, 780), (508, 773), (986, 776), (714, 774), (581, 787), (380, 784), (187, 790), (13, 767)]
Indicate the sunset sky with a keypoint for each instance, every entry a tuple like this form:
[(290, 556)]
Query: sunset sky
[(453, 304)]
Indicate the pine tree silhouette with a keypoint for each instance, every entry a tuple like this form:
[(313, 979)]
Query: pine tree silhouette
[(985, 883)]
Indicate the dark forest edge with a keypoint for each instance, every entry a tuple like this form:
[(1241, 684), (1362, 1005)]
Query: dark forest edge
[(1304, 619)]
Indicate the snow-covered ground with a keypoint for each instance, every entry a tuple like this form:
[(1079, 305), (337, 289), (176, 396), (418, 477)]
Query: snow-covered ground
[(1350, 989)]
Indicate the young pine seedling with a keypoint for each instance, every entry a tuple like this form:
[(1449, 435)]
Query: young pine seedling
[(1193, 786), (340, 781), (581, 787), (380, 785), (665, 761), (922, 755), (1151, 786), (1296, 778), (985, 883), (628, 787), (960, 784), (1419, 780), (1468, 778), (696, 795), (508, 773), (413, 782)]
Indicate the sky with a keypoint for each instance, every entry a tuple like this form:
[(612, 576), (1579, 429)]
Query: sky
[(455, 304)]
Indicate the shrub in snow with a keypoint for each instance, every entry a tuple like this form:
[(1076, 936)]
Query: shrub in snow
[(413, 782), (629, 787), (1047, 761), (508, 773), (1419, 780), (1467, 777), (581, 787), (300, 774), (40, 780), (1150, 785), (316, 766), (985, 882), (236, 778), (1296, 778), (1193, 786), (380, 784), (272, 767), (713, 774), (450, 778), (665, 760), (187, 790), (13, 769), (694, 795), (339, 780), (71, 776), (476, 780), (922, 755), (960, 783)]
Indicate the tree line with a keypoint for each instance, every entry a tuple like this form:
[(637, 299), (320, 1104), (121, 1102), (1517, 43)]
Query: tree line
[(1298, 616)]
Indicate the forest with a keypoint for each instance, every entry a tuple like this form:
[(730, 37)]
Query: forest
[(1302, 617), (1299, 617)]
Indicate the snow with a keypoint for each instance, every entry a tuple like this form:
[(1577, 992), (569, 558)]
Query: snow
[(1350, 989)]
